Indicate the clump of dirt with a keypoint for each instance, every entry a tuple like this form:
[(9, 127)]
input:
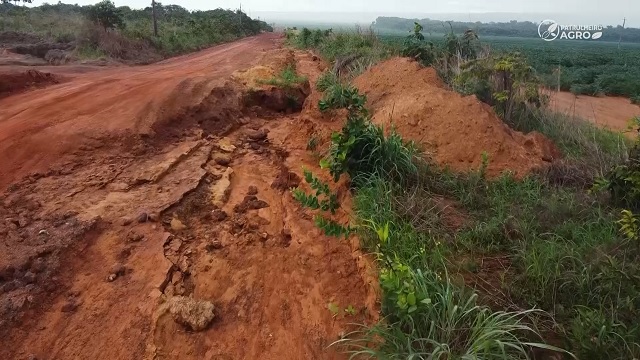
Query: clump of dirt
[(455, 129), (16, 82), (191, 313)]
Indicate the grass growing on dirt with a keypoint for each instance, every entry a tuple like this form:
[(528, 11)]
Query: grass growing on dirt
[(560, 248), (426, 314), (288, 78), (352, 51), (560, 251), (462, 256)]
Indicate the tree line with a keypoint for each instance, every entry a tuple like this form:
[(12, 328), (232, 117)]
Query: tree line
[(513, 28)]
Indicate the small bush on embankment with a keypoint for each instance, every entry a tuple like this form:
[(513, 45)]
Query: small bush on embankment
[(128, 33)]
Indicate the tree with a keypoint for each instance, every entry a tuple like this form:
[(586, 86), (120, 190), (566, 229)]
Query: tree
[(106, 15), (17, 1)]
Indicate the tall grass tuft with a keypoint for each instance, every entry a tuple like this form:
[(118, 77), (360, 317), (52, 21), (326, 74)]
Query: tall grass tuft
[(446, 323)]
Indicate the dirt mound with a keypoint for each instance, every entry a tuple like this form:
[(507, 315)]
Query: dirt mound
[(455, 129), (13, 83)]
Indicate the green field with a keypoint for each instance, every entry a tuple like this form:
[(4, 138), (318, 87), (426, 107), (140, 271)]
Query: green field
[(584, 67)]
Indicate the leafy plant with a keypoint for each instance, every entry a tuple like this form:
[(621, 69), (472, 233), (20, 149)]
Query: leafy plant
[(323, 199), (334, 309), (417, 48), (329, 201), (508, 82), (330, 227), (350, 310)]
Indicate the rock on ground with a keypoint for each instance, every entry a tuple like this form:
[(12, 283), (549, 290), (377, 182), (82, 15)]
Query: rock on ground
[(191, 313)]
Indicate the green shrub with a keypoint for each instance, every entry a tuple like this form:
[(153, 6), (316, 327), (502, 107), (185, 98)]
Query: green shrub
[(106, 15)]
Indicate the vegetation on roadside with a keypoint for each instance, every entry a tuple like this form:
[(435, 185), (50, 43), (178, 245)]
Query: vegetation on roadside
[(126, 33), (288, 78), (546, 242)]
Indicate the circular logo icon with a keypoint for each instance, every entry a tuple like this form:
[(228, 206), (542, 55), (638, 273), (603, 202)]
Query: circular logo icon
[(548, 30)]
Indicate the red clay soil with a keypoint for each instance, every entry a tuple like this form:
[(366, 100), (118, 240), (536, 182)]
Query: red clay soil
[(39, 127), (606, 111), (13, 83), (129, 188), (454, 129)]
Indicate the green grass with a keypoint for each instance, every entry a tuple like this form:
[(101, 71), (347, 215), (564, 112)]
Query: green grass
[(443, 293), (288, 78)]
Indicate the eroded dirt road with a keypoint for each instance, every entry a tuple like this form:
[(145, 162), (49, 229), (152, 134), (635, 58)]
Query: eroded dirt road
[(127, 187)]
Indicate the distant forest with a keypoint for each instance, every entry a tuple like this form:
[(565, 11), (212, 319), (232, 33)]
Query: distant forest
[(524, 29)]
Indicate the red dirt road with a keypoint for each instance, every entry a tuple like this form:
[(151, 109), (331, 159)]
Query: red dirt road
[(39, 127), (606, 111), (124, 190)]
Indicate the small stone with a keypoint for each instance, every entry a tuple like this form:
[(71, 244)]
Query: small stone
[(222, 159), (29, 277), (23, 222), (256, 135), (214, 245), (112, 277), (134, 237), (7, 287), (177, 225), (70, 306), (43, 232), (252, 190), (118, 269), (17, 284), (255, 146), (154, 217), (218, 215), (39, 265), (143, 217), (32, 357), (125, 221)]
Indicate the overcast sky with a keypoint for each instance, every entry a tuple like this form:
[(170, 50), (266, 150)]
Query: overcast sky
[(581, 10)]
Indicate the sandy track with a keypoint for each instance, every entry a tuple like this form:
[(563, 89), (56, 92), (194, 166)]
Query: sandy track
[(39, 127)]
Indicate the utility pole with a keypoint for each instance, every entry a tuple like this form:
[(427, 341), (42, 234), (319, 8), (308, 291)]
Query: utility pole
[(155, 19), (624, 22)]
